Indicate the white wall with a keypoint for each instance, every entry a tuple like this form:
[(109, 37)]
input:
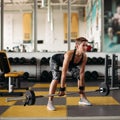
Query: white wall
[(52, 40)]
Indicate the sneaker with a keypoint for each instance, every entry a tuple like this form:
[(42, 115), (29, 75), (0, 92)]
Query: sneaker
[(84, 101), (50, 106)]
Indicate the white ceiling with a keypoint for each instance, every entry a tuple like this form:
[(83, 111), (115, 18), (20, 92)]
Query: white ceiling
[(29, 4)]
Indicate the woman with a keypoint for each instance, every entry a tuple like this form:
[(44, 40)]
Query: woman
[(67, 61)]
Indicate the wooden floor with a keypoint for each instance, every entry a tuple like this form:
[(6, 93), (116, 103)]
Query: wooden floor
[(103, 107)]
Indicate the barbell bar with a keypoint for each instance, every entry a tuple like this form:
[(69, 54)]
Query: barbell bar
[(29, 97)]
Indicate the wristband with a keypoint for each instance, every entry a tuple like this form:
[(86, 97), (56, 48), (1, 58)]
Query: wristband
[(62, 89), (82, 88), (81, 92)]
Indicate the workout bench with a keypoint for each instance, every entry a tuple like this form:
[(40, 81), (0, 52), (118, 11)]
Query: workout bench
[(7, 74)]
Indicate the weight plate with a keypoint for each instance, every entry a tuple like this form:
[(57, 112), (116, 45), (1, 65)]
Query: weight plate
[(104, 89), (30, 97)]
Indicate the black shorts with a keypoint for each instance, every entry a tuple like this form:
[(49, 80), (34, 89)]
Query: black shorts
[(56, 73)]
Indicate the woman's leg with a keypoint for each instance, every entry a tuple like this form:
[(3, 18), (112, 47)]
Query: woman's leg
[(83, 98), (81, 87), (53, 84), (52, 88)]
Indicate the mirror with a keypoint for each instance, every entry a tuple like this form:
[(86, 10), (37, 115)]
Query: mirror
[(111, 26)]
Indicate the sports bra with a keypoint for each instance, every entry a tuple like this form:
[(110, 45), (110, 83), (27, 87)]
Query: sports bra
[(59, 58), (72, 64)]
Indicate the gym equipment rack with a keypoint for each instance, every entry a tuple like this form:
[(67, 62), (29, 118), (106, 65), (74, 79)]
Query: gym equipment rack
[(111, 71)]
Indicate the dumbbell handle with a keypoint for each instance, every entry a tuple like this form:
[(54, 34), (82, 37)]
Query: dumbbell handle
[(15, 98)]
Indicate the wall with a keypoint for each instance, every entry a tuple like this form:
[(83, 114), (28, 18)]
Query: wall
[(93, 21), (52, 40)]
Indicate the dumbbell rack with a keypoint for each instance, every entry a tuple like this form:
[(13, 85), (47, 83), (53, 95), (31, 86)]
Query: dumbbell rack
[(111, 71), (25, 62)]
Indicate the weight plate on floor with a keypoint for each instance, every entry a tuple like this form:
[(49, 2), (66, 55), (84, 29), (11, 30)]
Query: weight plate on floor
[(30, 97), (104, 89)]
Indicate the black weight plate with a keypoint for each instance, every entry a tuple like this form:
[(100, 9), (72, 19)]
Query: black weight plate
[(104, 89), (30, 97)]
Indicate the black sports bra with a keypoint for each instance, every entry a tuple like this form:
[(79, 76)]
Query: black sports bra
[(58, 58), (72, 64)]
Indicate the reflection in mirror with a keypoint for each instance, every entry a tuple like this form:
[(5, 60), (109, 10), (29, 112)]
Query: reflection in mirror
[(51, 24)]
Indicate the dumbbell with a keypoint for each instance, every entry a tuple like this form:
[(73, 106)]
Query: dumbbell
[(16, 60), (45, 76), (89, 61), (44, 61), (94, 61), (22, 60), (94, 75), (25, 75), (101, 60), (33, 60)]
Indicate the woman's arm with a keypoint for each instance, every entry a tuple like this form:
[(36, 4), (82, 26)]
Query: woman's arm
[(65, 68), (82, 71)]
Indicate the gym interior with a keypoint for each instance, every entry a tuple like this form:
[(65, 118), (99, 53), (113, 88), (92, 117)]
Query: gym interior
[(31, 31)]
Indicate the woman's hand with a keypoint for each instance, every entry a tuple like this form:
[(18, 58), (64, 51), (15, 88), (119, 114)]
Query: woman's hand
[(61, 93)]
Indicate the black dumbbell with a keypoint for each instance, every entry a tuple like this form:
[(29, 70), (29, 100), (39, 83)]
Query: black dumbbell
[(45, 76), (44, 61), (94, 75), (101, 60), (89, 61), (22, 60), (94, 61), (33, 61), (16, 60)]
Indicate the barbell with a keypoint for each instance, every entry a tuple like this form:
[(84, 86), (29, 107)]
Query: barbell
[(29, 97)]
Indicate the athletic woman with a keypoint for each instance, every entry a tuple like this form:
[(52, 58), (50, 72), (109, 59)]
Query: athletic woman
[(68, 61)]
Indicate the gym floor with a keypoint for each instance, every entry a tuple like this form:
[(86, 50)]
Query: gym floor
[(67, 108)]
